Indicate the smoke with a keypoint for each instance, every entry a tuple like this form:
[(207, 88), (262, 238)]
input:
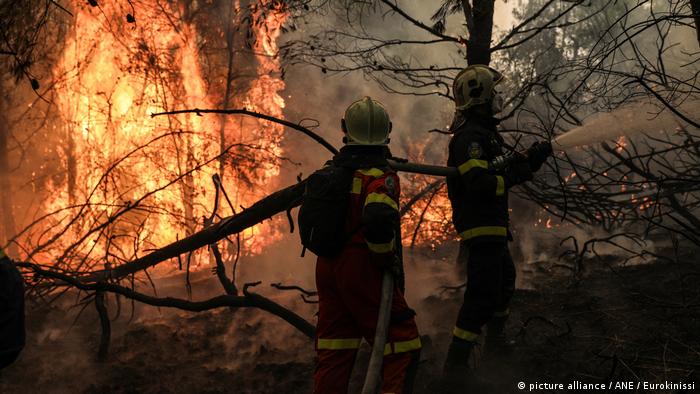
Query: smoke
[(539, 247), (59, 356), (323, 97)]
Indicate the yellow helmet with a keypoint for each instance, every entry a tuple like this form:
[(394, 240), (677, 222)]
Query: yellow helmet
[(475, 85), (366, 122)]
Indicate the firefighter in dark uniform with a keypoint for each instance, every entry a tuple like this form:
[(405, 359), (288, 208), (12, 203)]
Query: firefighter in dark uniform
[(479, 197), (349, 285)]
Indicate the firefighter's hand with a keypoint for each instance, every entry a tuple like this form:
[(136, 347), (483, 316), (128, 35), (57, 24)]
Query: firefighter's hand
[(518, 172), (396, 268), (388, 261), (538, 153)]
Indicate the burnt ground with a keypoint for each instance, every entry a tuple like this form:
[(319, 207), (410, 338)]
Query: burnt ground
[(636, 323)]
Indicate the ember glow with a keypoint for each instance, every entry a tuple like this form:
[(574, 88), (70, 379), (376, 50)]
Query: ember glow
[(135, 182), (428, 222), (620, 144)]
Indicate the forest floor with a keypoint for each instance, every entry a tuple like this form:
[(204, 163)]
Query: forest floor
[(639, 323)]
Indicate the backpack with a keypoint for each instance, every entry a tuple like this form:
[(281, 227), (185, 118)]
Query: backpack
[(322, 216)]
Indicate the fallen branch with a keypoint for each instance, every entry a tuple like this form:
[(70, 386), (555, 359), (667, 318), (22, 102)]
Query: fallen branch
[(265, 208), (248, 300)]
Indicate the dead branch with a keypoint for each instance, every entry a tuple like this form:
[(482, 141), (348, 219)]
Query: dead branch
[(428, 189), (422, 216), (220, 268), (418, 23), (106, 332), (248, 300), (283, 122), (280, 286)]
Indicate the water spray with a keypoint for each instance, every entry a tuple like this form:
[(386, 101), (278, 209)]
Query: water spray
[(628, 120)]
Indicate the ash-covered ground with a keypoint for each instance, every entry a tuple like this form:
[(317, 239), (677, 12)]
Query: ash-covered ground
[(617, 324)]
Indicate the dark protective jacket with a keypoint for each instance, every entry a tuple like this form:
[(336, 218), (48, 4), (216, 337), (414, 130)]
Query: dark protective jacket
[(479, 195)]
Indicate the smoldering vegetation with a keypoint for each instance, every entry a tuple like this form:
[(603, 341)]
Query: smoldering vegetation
[(566, 331)]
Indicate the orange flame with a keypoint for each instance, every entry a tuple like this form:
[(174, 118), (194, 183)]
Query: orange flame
[(138, 182), (432, 214)]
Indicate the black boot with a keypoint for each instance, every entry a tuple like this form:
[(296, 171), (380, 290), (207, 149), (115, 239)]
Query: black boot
[(456, 372), (496, 342)]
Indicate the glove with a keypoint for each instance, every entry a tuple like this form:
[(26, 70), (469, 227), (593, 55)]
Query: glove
[(518, 172), (538, 153), (385, 261), (392, 263)]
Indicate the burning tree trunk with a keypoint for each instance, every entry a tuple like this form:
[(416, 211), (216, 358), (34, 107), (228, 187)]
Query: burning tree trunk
[(71, 165), (6, 211), (230, 54)]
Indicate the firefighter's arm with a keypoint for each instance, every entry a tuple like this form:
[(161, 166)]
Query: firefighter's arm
[(380, 215), (473, 166)]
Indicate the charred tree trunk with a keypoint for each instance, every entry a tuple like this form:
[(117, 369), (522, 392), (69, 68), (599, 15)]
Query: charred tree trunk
[(70, 127), (188, 190), (480, 25), (105, 325), (6, 211), (227, 92)]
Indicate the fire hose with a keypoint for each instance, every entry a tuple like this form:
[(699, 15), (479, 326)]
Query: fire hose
[(498, 163), (374, 369)]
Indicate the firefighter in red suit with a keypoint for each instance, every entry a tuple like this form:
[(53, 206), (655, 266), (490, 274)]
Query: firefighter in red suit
[(349, 286)]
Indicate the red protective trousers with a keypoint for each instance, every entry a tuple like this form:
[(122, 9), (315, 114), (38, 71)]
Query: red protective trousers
[(349, 290)]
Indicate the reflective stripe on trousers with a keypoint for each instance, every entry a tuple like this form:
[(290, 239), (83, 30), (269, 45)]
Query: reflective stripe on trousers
[(482, 231), (354, 343), (465, 334)]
